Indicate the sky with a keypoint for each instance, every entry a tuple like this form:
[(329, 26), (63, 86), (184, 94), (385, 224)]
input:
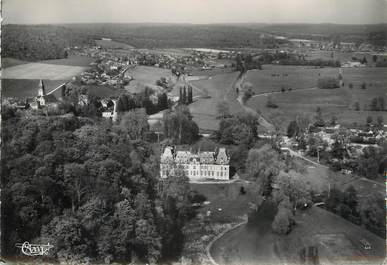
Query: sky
[(194, 11)]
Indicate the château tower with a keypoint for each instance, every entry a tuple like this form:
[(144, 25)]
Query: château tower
[(41, 90)]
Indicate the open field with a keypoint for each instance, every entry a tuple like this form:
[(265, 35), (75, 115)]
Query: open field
[(111, 44), (25, 88), (9, 62), (42, 71), (217, 87), (294, 77), (337, 241), (333, 102), (145, 76), (72, 61)]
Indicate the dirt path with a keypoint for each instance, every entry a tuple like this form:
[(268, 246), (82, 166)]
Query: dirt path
[(237, 86)]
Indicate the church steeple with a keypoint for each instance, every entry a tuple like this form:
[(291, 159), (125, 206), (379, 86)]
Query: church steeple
[(41, 90)]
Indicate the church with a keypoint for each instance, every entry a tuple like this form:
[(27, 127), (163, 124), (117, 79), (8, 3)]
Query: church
[(201, 165), (43, 99)]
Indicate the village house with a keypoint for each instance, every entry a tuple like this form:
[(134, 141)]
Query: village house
[(201, 165)]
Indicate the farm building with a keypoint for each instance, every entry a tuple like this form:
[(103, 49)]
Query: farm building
[(211, 165), (352, 64)]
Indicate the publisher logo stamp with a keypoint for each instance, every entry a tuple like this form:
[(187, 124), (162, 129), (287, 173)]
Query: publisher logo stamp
[(34, 249)]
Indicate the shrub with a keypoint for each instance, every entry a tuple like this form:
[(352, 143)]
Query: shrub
[(328, 83), (283, 221), (271, 104), (247, 95), (356, 106)]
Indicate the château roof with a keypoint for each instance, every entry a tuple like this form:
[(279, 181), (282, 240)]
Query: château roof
[(184, 156)]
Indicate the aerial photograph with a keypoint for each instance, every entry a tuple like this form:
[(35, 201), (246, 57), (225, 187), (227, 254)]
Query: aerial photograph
[(193, 132)]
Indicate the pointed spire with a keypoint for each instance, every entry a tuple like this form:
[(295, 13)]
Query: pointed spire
[(41, 90)]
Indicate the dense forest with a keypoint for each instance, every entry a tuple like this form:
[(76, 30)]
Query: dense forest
[(38, 42), (91, 189)]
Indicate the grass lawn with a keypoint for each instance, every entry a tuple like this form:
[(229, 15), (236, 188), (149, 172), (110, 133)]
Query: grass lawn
[(24, 88), (217, 87), (42, 71), (72, 61), (226, 197)]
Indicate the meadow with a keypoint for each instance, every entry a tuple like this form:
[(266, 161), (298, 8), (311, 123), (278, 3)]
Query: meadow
[(42, 71), (145, 76), (273, 77), (337, 102), (217, 88)]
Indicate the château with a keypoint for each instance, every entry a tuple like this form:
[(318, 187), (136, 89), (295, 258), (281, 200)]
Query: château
[(200, 165)]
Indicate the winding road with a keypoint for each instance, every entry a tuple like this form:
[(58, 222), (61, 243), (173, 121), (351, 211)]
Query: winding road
[(237, 86)]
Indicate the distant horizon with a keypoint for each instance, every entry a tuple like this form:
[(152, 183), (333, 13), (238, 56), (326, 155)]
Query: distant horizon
[(214, 23), (343, 12)]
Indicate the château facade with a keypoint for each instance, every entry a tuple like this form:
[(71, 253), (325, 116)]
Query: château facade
[(210, 165)]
